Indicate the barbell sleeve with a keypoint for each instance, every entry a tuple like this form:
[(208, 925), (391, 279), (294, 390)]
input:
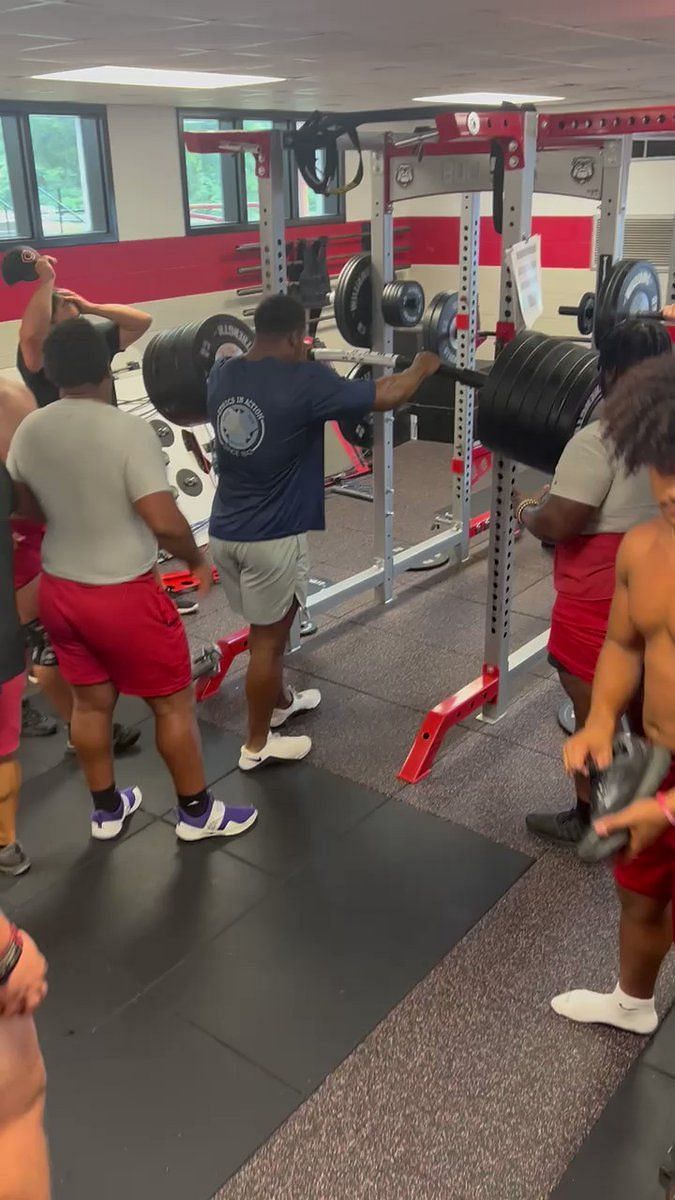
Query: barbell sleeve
[(373, 358), (568, 310)]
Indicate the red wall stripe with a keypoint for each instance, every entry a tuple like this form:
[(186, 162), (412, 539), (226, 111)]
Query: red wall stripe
[(162, 268)]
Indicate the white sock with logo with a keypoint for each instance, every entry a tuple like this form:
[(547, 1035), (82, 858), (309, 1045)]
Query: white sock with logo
[(615, 1008)]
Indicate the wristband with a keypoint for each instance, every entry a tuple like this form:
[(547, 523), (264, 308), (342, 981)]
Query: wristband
[(11, 955), (662, 801), (529, 502)]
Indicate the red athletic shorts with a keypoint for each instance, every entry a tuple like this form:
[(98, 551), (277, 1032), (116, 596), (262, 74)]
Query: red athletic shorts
[(27, 538), (11, 694), (127, 633), (652, 871), (583, 577)]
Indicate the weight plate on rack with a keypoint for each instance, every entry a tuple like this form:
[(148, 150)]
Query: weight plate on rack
[(353, 302), (164, 432), (189, 483), (586, 314), (439, 327), (632, 287), (403, 303), (359, 432)]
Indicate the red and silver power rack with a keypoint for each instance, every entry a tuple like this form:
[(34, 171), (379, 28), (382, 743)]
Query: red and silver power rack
[(586, 155)]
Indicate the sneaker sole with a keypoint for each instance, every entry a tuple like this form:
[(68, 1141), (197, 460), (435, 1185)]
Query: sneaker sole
[(297, 712), (16, 871), (186, 833), (246, 765), (112, 830)]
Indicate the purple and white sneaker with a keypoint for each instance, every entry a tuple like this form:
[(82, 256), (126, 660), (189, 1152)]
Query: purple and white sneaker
[(219, 820), (106, 825)]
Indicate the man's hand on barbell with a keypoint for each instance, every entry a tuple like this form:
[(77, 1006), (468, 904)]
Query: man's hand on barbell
[(668, 312)]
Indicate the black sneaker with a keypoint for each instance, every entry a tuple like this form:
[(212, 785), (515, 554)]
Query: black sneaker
[(124, 737), (36, 724), (565, 828), (185, 605), (13, 860)]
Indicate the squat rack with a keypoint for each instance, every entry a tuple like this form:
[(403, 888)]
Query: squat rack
[(456, 159), (605, 137)]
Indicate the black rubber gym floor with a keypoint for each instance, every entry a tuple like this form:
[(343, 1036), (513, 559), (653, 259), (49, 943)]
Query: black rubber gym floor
[(198, 994), (367, 972)]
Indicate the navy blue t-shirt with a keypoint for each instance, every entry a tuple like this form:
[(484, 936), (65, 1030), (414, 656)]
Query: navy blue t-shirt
[(268, 418)]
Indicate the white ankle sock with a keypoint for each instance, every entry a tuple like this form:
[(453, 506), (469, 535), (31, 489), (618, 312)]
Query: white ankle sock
[(608, 1008)]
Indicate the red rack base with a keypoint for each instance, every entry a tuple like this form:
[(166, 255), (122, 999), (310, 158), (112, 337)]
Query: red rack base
[(438, 720), (229, 648)]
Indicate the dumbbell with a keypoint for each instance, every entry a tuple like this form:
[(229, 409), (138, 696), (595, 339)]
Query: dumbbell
[(18, 265)]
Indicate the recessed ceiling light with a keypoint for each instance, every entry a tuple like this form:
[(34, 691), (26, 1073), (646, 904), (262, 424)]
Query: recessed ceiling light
[(149, 77), (487, 98)]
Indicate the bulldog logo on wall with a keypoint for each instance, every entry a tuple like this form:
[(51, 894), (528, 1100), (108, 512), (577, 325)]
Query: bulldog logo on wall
[(582, 170), (404, 175)]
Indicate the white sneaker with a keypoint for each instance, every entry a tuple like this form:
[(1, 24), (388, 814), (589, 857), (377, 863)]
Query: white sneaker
[(276, 749), (106, 825), (300, 702)]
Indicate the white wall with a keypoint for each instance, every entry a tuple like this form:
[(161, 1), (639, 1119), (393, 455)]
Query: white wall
[(145, 156)]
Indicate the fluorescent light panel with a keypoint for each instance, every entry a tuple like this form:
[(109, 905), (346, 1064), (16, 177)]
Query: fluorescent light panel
[(149, 77), (487, 98)]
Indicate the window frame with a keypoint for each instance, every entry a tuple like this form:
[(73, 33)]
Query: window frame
[(29, 200), (286, 121)]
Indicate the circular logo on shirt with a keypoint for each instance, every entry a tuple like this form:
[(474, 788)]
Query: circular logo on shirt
[(240, 425)]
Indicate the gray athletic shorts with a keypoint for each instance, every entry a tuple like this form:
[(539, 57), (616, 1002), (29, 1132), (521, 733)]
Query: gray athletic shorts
[(262, 578)]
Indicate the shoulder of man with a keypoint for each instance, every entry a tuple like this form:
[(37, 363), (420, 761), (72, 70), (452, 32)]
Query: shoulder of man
[(640, 539)]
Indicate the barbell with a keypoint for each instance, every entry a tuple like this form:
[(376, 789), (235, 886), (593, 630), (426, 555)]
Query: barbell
[(538, 392), (631, 289)]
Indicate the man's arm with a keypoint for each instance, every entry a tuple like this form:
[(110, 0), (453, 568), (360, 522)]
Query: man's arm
[(37, 318), (131, 322), (163, 516), (554, 518), (391, 391), (617, 675), (26, 985), (25, 504)]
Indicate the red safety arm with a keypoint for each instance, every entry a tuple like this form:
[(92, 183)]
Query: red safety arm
[(441, 718)]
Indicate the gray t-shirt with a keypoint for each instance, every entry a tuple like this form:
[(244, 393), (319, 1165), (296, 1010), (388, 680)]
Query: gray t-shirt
[(588, 472), (86, 463)]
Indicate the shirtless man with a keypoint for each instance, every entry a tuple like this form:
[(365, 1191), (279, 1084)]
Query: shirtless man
[(640, 636)]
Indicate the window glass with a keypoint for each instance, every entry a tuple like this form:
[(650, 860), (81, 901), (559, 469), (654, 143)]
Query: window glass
[(67, 167), (205, 183), (8, 221)]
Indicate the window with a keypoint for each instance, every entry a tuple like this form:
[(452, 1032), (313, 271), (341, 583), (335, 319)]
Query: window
[(222, 190), (211, 180), (55, 180)]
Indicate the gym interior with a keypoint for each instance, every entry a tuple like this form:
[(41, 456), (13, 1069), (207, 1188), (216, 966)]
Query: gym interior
[(352, 999)]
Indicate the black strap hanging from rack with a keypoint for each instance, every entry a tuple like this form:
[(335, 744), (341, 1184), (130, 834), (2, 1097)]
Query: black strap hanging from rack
[(321, 132)]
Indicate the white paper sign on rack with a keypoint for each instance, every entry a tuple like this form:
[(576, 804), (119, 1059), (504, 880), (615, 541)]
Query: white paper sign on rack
[(525, 263)]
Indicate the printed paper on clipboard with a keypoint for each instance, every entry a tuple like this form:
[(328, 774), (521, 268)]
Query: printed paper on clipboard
[(525, 263)]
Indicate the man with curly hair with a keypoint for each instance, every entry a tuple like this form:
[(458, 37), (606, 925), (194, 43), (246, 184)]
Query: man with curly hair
[(640, 422)]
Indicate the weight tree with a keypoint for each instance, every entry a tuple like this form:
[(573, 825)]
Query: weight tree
[(605, 140)]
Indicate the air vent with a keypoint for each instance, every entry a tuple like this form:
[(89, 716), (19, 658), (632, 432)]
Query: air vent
[(650, 238), (643, 237)]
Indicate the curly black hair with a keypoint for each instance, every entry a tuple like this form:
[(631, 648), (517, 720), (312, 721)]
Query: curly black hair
[(639, 415), (628, 343)]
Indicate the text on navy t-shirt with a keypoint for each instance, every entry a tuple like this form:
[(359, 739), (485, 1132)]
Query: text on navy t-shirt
[(268, 416)]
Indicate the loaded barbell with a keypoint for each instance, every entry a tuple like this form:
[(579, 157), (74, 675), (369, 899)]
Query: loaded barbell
[(631, 289), (402, 301), (538, 392)]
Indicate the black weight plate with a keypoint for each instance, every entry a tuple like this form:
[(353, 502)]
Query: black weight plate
[(177, 362), (403, 303), (510, 364), (586, 314), (353, 302), (189, 482), (164, 432), (558, 409), (222, 336), (531, 400), (631, 288), (439, 327), (359, 433)]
